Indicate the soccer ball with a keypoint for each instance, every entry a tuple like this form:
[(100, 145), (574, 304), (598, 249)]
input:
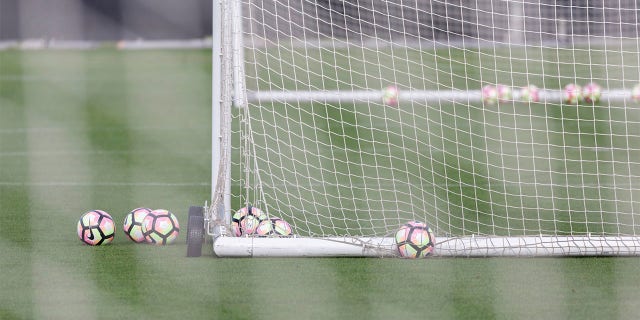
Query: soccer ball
[(489, 94), (132, 225), (274, 226), (635, 93), (530, 94), (246, 220), (96, 228), (415, 240), (591, 92), (390, 96), (160, 227), (503, 92), (572, 94)]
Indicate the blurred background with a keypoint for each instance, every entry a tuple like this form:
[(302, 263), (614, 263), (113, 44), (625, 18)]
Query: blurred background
[(504, 21), (104, 20)]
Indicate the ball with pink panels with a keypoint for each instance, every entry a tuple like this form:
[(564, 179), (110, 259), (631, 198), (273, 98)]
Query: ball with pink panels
[(274, 226), (160, 227), (503, 92), (415, 240), (572, 94), (132, 224), (635, 93), (591, 92), (96, 228), (390, 96), (489, 94), (530, 93), (246, 220)]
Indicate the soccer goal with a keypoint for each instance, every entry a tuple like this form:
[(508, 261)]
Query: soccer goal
[(511, 128)]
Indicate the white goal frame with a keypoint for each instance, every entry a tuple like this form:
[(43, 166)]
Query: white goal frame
[(480, 246), (229, 90)]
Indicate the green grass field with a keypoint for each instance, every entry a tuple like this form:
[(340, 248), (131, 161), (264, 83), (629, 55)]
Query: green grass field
[(115, 130)]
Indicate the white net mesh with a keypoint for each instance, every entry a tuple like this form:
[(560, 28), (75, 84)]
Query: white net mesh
[(317, 146)]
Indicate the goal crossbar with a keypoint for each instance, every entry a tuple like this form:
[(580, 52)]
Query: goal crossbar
[(337, 96)]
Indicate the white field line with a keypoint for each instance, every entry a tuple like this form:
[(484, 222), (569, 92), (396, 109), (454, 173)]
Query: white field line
[(101, 184), (52, 44), (58, 153), (259, 43), (87, 129)]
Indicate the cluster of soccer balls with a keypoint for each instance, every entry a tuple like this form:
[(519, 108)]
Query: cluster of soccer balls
[(491, 95), (251, 221), (500, 93), (574, 94), (571, 94), (141, 225), (415, 239)]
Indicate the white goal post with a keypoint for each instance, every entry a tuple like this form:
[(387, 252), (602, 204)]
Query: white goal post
[(348, 119)]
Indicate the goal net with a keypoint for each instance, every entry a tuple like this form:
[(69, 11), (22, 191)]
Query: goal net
[(349, 118)]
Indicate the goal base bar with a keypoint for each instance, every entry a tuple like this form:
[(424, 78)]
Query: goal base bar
[(303, 247), (474, 246)]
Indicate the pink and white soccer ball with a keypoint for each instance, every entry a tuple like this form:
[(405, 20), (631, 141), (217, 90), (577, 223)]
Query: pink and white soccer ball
[(415, 239), (390, 96), (503, 92), (635, 93), (572, 94), (132, 224), (274, 226), (96, 228), (245, 221), (489, 94), (591, 92), (160, 227), (530, 93)]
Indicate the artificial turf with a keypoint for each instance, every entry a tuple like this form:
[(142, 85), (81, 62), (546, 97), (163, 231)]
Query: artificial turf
[(115, 130)]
